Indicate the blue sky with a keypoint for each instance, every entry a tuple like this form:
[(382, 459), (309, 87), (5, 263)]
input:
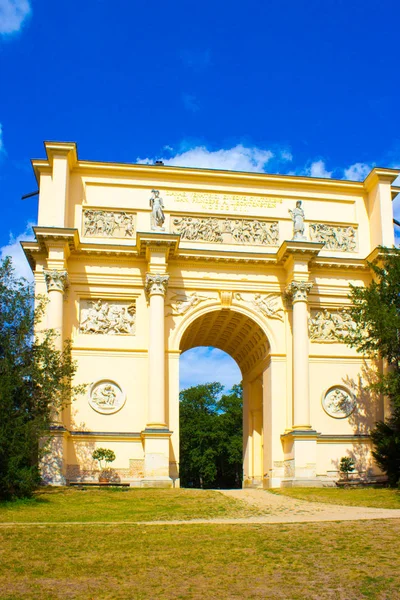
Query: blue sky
[(290, 87)]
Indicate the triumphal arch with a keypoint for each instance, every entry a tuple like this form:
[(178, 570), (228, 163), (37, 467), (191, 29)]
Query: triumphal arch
[(143, 262)]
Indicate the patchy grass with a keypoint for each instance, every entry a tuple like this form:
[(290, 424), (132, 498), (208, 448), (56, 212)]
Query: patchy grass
[(57, 505), (373, 497), (337, 561)]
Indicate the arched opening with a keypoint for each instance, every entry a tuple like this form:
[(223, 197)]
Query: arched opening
[(243, 339)]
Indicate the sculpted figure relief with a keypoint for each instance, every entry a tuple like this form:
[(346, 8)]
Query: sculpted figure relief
[(297, 215), (325, 326), (106, 397), (338, 402), (107, 223), (343, 239), (181, 302), (267, 304), (157, 211), (229, 231), (100, 317)]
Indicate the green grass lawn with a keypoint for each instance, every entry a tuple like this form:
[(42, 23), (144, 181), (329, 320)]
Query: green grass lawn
[(71, 504), (343, 561), (374, 497)]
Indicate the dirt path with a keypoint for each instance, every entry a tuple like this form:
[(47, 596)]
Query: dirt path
[(274, 508)]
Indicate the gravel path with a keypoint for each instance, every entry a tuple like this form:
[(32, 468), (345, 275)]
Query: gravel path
[(275, 509)]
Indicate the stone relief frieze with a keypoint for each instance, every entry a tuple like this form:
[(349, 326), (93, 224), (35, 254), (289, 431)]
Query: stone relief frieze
[(181, 302), (106, 397), (343, 239), (110, 318), (227, 231), (108, 223), (338, 402), (335, 326), (268, 305)]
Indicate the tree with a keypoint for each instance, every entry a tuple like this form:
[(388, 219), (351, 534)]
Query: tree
[(376, 312), (211, 436), (35, 382)]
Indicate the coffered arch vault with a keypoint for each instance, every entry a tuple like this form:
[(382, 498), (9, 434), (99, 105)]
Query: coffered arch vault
[(234, 332)]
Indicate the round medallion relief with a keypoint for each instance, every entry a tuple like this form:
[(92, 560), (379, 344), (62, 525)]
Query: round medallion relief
[(338, 402), (106, 397)]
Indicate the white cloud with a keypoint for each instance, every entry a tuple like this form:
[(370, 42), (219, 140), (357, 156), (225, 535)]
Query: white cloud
[(357, 172), (14, 250), (318, 169), (12, 15), (237, 158), (205, 365)]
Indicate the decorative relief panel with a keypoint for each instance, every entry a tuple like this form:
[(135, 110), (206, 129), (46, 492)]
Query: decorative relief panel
[(325, 326), (108, 223), (338, 402), (268, 305), (106, 397), (343, 239), (227, 231), (111, 318), (180, 302)]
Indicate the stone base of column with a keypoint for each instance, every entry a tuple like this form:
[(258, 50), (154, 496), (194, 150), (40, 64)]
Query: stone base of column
[(53, 462), (156, 457), (300, 463)]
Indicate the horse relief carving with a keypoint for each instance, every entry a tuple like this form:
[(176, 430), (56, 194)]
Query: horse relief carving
[(102, 317), (334, 237), (227, 231), (325, 326), (107, 223)]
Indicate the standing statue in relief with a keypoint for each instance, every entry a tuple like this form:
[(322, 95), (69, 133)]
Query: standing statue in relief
[(297, 215), (157, 211)]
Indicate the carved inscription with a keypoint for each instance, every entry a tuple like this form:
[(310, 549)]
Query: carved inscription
[(102, 317), (107, 223), (227, 231), (343, 239), (325, 326), (221, 202)]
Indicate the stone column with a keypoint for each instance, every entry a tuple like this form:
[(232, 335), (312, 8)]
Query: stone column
[(298, 290), (53, 464), (56, 282), (156, 287), (156, 434)]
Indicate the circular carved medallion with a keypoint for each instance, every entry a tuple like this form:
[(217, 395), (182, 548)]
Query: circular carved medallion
[(106, 397), (338, 402)]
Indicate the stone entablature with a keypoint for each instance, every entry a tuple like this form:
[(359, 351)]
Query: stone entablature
[(256, 232), (102, 223), (340, 238)]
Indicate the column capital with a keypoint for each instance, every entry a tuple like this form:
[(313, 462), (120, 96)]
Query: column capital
[(298, 290), (56, 280), (156, 284)]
